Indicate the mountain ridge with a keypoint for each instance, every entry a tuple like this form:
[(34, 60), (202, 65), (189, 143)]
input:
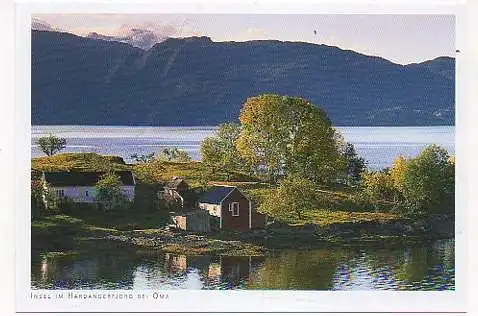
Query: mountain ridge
[(196, 81)]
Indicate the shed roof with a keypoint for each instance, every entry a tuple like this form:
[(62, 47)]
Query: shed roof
[(83, 178), (216, 195)]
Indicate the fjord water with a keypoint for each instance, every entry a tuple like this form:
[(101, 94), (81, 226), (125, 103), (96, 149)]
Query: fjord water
[(428, 266), (378, 145)]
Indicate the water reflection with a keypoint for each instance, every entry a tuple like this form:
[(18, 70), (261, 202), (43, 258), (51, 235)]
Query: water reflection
[(408, 268), (428, 267)]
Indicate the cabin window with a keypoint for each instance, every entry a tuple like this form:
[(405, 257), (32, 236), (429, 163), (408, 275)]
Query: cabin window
[(60, 193), (234, 208)]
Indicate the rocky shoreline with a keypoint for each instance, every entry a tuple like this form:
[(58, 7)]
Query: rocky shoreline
[(278, 236), (184, 243)]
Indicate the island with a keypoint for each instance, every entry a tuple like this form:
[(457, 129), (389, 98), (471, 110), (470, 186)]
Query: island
[(281, 178)]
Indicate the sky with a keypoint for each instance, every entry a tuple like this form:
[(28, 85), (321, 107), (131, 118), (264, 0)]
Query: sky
[(402, 39)]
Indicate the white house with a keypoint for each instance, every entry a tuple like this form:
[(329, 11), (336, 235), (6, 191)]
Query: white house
[(79, 186)]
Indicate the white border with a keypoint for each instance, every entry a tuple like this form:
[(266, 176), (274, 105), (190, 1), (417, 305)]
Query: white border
[(6, 158), (237, 301)]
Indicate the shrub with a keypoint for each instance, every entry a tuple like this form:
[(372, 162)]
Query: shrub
[(429, 182), (109, 192), (378, 185), (291, 199)]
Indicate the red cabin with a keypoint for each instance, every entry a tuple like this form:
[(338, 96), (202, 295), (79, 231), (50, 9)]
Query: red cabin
[(232, 208)]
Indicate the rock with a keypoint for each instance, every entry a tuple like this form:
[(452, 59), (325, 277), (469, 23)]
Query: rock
[(312, 227)]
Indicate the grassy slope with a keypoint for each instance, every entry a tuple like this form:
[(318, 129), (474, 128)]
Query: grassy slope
[(195, 173), (79, 161), (334, 206)]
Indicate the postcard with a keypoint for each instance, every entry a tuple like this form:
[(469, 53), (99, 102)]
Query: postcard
[(204, 157)]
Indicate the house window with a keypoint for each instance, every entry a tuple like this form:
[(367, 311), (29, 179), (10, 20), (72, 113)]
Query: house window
[(60, 193), (234, 208), (86, 193)]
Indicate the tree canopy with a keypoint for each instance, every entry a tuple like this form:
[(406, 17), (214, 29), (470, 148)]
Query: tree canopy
[(51, 144), (220, 150), (397, 172), (378, 185), (355, 163), (422, 185), (288, 135)]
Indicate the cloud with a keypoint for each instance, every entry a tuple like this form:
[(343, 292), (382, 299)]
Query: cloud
[(41, 25), (143, 36), (251, 33)]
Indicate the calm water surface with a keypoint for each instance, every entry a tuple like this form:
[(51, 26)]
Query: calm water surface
[(416, 267), (378, 145)]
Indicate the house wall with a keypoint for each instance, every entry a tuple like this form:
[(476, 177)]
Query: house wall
[(194, 222), (78, 194), (241, 222), (128, 191), (214, 210), (198, 222)]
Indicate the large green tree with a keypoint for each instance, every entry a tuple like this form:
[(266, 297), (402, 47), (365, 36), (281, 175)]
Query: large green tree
[(51, 144), (288, 135), (220, 151)]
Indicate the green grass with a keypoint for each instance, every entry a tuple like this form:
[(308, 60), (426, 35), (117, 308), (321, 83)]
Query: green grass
[(324, 218), (57, 232), (214, 246), (195, 173), (123, 219), (77, 161), (334, 205)]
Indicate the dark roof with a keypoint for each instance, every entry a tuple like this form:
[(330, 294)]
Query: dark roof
[(216, 195), (83, 178), (173, 184)]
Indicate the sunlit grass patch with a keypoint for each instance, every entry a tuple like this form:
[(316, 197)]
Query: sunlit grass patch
[(328, 217), (195, 173), (77, 161)]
